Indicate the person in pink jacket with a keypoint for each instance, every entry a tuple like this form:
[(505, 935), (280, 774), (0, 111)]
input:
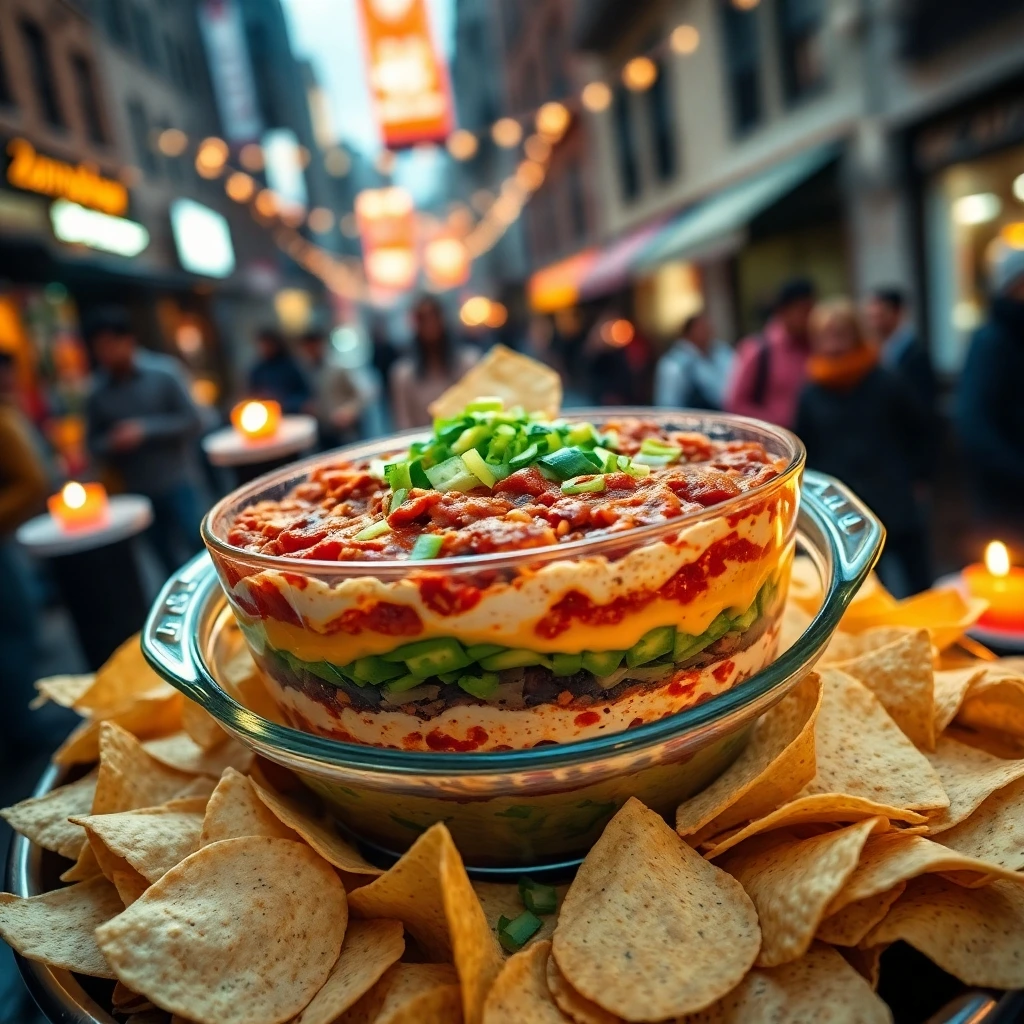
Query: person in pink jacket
[(769, 369)]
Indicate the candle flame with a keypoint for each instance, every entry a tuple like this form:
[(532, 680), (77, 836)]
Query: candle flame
[(253, 417), (73, 494), (997, 558)]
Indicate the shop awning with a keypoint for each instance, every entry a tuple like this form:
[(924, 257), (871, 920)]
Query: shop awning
[(611, 269), (557, 286), (718, 224)]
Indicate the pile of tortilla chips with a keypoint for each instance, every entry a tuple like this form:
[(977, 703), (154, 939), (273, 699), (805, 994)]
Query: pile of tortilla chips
[(881, 800)]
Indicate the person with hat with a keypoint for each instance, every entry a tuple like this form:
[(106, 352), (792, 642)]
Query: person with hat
[(769, 369), (989, 409)]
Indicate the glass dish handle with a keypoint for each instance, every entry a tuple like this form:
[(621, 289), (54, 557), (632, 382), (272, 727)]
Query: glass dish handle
[(169, 625), (852, 530)]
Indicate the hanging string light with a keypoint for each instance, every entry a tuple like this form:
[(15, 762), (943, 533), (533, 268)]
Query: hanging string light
[(639, 74), (507, 132), (684, 40), (596, 96)]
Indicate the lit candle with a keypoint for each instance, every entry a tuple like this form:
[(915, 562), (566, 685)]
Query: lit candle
[(79, 506), (256, 420), (1002, 585)]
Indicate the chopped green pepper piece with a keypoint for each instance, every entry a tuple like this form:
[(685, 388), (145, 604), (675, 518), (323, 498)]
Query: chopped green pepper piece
[(536, 897), (569, 462), (490, 403), (602, 663), (418, 475), (452, 475), (653, 644), (483, 686), (513, 935), (375, 670), (566, 664), (513, 658), (430, 657), (470, 438), (478, 651), (402, 683), (427, 545), (373, 530), (475, 464), (524, 458)]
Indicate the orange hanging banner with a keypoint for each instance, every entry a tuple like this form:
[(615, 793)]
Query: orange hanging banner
[(408, 76)]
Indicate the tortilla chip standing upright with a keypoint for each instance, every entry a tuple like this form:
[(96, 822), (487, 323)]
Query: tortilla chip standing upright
[(520, 993)]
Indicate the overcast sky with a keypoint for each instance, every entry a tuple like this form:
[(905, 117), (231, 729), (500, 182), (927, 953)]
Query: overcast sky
[(328, 33)]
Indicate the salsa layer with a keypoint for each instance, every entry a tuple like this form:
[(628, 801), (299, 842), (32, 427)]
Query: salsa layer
[(493, 481)]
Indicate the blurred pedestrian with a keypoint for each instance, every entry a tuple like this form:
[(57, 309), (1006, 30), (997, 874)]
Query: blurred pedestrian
[(23, 489), (693, 373), (990, 412), (141, 428), (337, 402), (769, 369), (434, 365), (276, 374), (860, 425), (902, 350)]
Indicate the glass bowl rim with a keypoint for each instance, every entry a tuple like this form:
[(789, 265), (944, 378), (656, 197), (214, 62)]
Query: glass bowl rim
[(501, 559)]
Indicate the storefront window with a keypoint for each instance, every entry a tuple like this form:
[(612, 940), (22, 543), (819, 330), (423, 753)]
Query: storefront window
[(974, 208)]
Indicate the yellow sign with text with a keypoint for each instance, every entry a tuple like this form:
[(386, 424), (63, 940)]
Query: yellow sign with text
[(78, 183)]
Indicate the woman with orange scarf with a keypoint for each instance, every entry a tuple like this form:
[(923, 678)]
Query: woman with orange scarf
[(863, 426)]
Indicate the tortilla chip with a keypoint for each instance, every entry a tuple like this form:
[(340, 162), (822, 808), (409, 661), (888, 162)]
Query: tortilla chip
[(63, 690), (849, 926), (201, 787), (130, 885), (152, 839), (823, 808), (520, 993), (502, 899), (201, 726), (259, 916), (515, 379), (180, 751), (129, 777), (410, 994), (946, 614), (970, 776), (57, 928), (570, 1002), (128, 1002), (792, 881), (899, 674), (144, 718), (125, 677), (640, 892), (866, 961), (849, 646), (951, 687), (820, 987), (369, 949), (890, 859), (320, 834), (235, 810), (793, 625), (994, 832), (873, 760), (977, 935), (995, 701), (775, 765), (429, 892), (44, 819)]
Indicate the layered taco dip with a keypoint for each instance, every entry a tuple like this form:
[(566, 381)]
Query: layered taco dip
[(514, 578)]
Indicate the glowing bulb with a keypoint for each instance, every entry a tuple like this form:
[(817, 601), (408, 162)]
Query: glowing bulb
[(240, 187), (997, 558), (553, 120), (979, 208), (639, 74), (596, 96), (73, 494), (462, 145), (684, 39), (475, 311), (507, 132), (253, 418), (172, 142)]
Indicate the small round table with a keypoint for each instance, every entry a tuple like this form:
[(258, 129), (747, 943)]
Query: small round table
[(96, 572), (252, 457)]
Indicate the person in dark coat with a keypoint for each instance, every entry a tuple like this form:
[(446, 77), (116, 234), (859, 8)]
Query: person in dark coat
[(276, 375), (901, 348), (861, 425), (989, 408)]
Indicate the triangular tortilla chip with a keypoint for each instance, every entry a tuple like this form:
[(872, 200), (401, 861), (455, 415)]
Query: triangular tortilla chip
[(503, 899), (900, 675), (774, 766), (429, 892), (520, 993), (514, 378), (180, 751), (410, 994), (571, 1003), (791, 882), (849, 926), (201, 725), (973, 934), (638, 894), (946, 614), (57, 928), (969, 776), (951, 686), (124, 679), (994, 831), (44, 819), (234, 810), (143, 718)]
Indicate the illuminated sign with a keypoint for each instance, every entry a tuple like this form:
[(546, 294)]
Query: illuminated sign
[(408, 78), (227, 57), (283, 168), (78, 183), (387, 227), (77, 225), (202, 238)]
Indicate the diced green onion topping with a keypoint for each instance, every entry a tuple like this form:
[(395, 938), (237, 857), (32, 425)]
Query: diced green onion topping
[(570, 462), (513, 935), (373, 530), (397, 497), (475, 464), (488, 404), (538, 898), (583, 485), (397, 475), (427, 545)]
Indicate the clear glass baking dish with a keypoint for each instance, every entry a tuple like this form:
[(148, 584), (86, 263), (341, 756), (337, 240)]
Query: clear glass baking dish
[(531, 808)]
